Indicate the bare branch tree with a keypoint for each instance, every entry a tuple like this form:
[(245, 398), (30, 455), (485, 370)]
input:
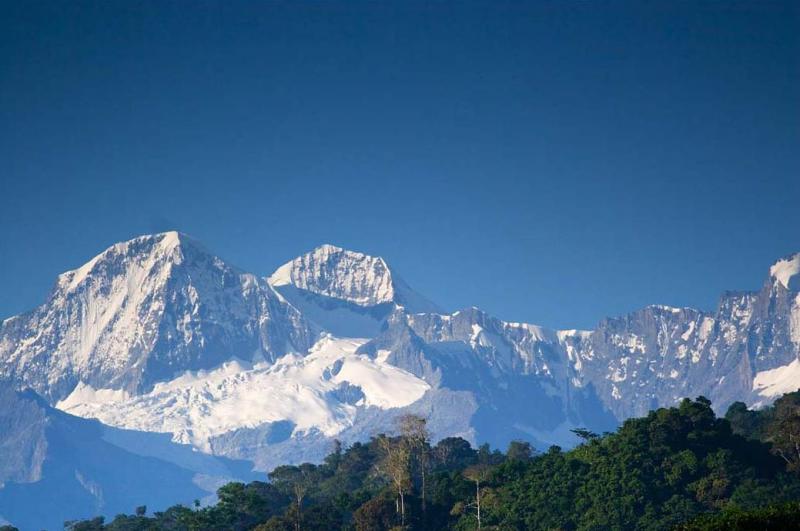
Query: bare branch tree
[(395, 464), (477, 474)]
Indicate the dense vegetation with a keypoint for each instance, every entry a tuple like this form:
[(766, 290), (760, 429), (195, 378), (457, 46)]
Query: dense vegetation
[(778, 517), (678, 467)]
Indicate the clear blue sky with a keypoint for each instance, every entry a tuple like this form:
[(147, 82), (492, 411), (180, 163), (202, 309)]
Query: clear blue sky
[(550, 162)]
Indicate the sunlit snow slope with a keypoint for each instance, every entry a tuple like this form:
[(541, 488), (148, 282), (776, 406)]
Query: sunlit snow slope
[(319, 391)]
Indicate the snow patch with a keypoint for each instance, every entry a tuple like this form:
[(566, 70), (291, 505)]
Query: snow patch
[(579, 334), (86, 394), (706, 328), (539, 333), (776, 382), (665, 308), (794, 321), (382, 356), (282, 276), (686, 335), (785, 271)]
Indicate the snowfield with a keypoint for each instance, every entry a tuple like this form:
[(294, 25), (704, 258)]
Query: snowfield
[(319, 391)]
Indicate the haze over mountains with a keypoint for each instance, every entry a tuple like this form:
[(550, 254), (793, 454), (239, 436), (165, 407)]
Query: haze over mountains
[(159, 336)]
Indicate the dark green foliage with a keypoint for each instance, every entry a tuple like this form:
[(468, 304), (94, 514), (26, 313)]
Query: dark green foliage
[(773, 518), (676, 465), (519, 451), (778, 425), (95, 524), (584, 434), (653, 473), (454, 453), (744, 421), (376, 514)]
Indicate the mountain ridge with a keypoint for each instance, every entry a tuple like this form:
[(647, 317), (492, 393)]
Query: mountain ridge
[(143, 314)]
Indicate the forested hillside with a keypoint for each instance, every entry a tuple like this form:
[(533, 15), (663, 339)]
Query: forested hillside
[(679, 467)]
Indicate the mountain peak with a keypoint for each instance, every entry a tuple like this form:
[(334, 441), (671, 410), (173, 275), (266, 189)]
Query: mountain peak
[(162, 244), (787, 272), (351, 276), (330, 248), (339, 273)]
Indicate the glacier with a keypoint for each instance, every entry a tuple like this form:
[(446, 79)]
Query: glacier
[(320, 390)]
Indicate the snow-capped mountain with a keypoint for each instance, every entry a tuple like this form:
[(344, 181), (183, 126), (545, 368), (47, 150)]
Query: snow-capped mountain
[(159, 335), (143, 311)]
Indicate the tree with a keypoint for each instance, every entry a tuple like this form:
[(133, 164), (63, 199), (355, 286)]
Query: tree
[(478, 474), (395, 464), (334, 459), (377, 514), (95, 524), (141, 510), (656, 472), (584, 434), (297, 481), (414, 431), (743, 421), (777, 517), (519, 451), (454, 453), (784, 430)]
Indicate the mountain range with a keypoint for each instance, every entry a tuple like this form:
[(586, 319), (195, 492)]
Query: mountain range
[(158, 339)]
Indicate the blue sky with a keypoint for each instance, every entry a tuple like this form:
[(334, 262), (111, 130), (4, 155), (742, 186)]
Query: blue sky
[(550, 162)]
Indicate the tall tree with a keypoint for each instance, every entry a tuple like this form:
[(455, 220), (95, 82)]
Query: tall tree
[(414, 431), (297, 481), (478, 474), (395, 464)]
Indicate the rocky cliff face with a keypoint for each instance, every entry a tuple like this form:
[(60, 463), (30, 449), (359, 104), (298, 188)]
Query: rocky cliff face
[(658, 355), (524, 379)]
